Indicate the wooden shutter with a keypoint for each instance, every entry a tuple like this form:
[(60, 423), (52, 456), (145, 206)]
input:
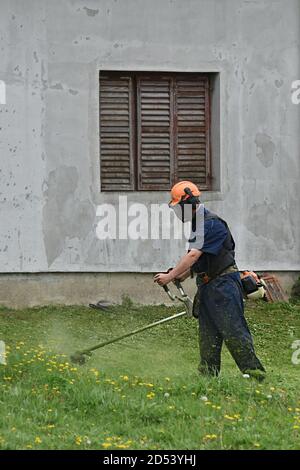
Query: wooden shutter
[(192, 130), (116, 132), (154, 130)]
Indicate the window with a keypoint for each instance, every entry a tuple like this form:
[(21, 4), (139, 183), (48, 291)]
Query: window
[(154, 130)]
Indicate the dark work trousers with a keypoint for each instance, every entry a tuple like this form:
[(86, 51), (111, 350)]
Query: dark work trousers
[(221, 318)]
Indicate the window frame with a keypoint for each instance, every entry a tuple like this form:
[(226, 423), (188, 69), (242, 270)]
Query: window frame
[(134, 139)]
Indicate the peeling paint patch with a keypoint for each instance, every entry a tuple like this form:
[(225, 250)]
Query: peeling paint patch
[(263, 222), (73, 92), (57, 86), (64, 215), (265, 149), (94, 255), (278, 83), (90, 11), (43, 77)]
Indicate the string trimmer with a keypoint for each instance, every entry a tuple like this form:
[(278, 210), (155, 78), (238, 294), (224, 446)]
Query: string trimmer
[(79, 357)]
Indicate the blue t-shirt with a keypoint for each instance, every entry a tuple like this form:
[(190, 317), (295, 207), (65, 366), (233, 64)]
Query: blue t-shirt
[(209, 237)]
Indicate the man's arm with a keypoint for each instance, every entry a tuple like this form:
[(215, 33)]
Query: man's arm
[(184, 264), (184, 275)]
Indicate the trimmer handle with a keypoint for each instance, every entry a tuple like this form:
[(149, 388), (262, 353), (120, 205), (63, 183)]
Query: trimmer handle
[(177, 283), (184, 298), (167, 290), (179, 287)]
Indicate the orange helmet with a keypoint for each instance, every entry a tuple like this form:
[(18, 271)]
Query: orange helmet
[(183, 191)]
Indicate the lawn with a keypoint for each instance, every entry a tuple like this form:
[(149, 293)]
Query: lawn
[(145, 392)]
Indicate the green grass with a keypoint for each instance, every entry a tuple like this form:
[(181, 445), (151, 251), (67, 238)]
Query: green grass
[(143, 393)]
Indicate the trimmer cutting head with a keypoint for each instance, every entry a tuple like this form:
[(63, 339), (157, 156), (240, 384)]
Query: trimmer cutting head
[(78, 358)]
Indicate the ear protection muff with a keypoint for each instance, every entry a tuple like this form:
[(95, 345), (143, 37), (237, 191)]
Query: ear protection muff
[(191, 200)]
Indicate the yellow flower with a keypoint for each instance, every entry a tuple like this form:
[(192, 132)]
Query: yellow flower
[(38, 440), (78, 440), (210, 436), (256, 444), (231, 418), (106, 445)]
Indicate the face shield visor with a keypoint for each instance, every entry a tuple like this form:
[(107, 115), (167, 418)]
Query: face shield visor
[(184, 212)]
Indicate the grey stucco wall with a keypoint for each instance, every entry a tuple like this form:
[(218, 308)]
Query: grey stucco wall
[(51, 53)]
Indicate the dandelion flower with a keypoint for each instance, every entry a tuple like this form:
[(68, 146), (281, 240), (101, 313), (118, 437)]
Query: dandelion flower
[(210, 437), (106, 445)]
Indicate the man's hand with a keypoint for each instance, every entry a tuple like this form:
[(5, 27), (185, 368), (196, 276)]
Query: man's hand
[(162, 278)]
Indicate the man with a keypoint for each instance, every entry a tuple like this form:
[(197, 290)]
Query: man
[(219, 305)]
